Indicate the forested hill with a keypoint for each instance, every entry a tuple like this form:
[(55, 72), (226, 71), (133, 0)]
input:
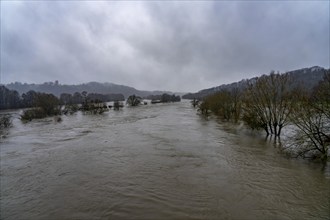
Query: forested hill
[(306, 77), (91, 87)]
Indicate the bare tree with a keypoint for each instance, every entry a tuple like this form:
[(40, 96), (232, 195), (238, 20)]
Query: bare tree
[(268, 102), (195, 102), (225, 104), (312, 119)]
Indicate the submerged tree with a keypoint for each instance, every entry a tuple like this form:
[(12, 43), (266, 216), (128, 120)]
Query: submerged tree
[(204, 107), (44, 105), (312, 118), (268, 102), (117, 105), (48, 103), (133, 100), (224, 104), (5, 121), (194, 102), (93, 106), (70, 109)]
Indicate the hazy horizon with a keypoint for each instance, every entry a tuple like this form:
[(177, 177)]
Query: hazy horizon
[(140, 89), (164, 46)]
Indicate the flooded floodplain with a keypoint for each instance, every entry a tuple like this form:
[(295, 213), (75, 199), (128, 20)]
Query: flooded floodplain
[(159, 161)]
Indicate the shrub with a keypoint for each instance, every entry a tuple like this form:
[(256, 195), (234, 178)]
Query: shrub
[(133, 100), (94, 107), (5, 121), (70, 109), (35, 113), (45, 105)]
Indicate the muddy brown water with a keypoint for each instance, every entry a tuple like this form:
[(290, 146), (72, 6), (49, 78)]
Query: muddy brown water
[(157, 161)]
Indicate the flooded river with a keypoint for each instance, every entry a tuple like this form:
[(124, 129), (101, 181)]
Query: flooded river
[(153, 162)]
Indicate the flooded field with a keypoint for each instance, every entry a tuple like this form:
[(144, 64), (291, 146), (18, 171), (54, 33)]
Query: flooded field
[(153, 162)]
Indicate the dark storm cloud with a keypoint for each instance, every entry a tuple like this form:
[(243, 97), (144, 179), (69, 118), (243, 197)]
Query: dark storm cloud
[(179, 46)]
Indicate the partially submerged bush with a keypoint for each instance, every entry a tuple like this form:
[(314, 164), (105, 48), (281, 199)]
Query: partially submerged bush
[(307, 145), (45, 105), (204, 108), (94, 107), (117, 105), (194, 102), (133, 100), (5, 121), (70, 109), (312, 119), (49, 104), (35, 113)]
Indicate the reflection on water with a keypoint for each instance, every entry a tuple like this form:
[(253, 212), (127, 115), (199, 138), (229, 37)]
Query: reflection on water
[(153, 162)]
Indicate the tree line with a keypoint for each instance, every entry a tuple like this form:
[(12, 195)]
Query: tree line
[(11, 99), (134, 100), (271, 102), (41, 105), (164, 98)]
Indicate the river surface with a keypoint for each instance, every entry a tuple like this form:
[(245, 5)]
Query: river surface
[(159, 161)]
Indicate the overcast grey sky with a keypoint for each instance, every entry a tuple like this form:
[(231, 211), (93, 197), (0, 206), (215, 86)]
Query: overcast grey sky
[(178, 46)]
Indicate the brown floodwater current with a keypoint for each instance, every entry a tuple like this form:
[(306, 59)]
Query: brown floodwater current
[(159, 161)]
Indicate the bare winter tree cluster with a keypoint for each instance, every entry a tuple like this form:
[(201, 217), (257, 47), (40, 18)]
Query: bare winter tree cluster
[(312, 119), (268, 102), (271, 102)]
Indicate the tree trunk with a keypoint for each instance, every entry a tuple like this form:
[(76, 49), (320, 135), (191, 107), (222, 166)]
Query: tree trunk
[(266, 129)]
